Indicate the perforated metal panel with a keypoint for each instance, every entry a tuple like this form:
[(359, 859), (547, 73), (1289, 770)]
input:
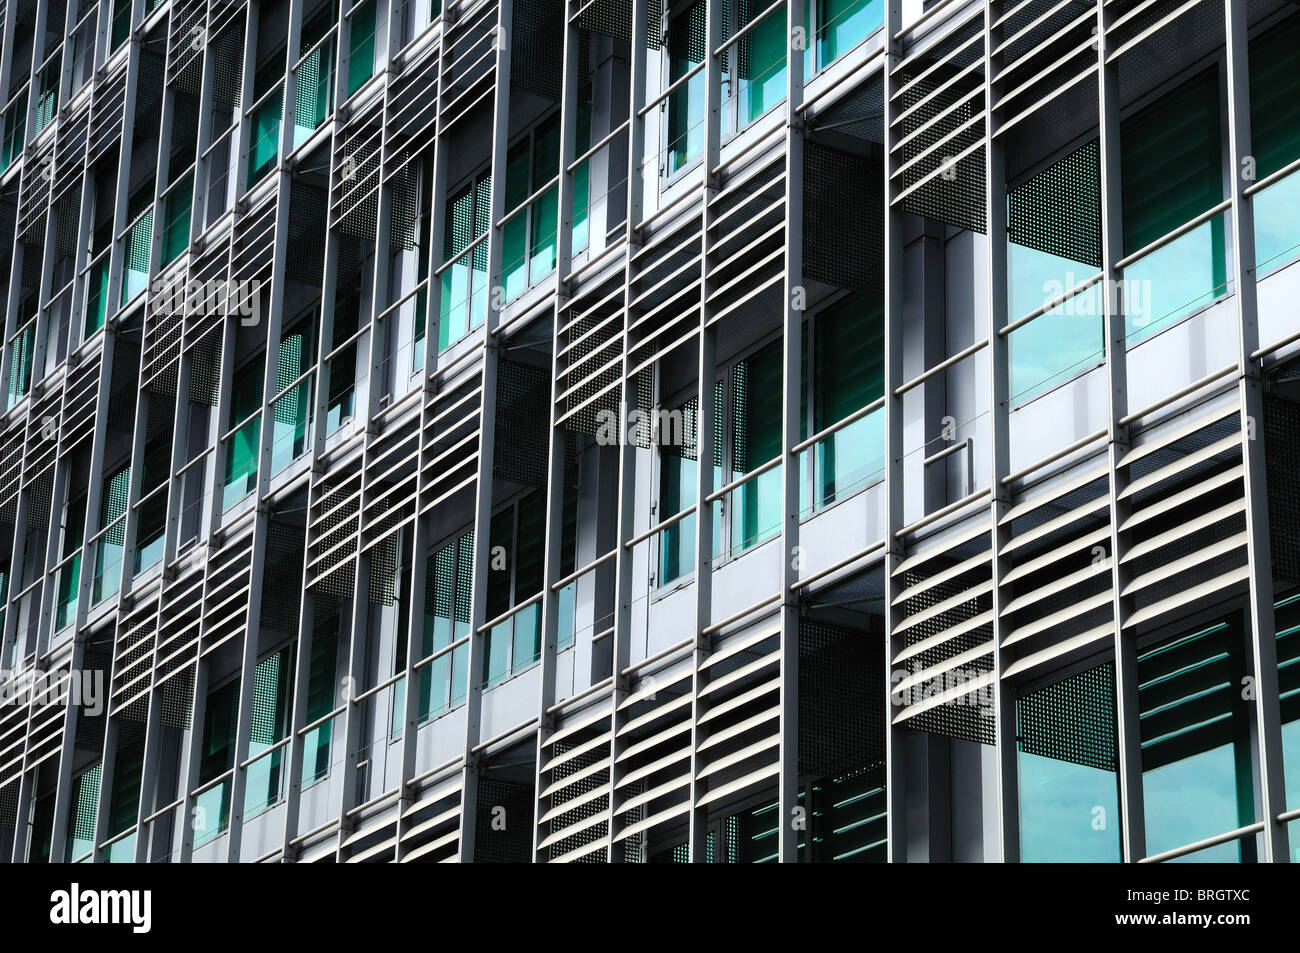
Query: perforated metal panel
[(228, 63), (1058, 211), (85, 805), (969, 715), (1072, 720), (521, 431), (503, 823), (383, 558), (844, 229), (1282, 458), (614, 18), (405, 195), (842, 708), (537, 47), (592, 808), (282, 586), (176, 697), (267, 690), (956, 195), (205, 369), (305, 254)]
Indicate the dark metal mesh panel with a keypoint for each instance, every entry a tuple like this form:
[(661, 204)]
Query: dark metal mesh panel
[(9, 784), (405, 195), (356, 192), (956, 195), (106, 115), (90, 731), (67, 216), (305, 254), (504, 822), (228, 63), (205, 369), (1189, 545), (1282, 460), (614, 18), (859, 114), (1048, 16), (522, 438), (842, 706), (599, 805), (1058, 211), (965, 721), (968, 716), (688, 448), (537, 47), (844, 229), (176, 697), (132, 721), (1182, 41), (337, 572), (588, 418), (149, 86), (383, 558), (282, 579), (1072, 720), (264, 728)]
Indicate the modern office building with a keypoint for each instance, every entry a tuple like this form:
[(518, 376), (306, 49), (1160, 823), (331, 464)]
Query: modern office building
[(357, 370)]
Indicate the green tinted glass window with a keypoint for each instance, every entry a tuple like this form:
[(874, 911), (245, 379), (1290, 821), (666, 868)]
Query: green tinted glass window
[(1197, 764), (216, 756), (361, 53), (84, 808), (1275, 138), (850, 362), (686, 105), (1171, 160), (756, 415)]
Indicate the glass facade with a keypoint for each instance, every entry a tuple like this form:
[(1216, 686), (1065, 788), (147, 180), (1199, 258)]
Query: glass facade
[(365, 532)]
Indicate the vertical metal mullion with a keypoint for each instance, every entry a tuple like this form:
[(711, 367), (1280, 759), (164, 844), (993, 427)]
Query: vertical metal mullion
[(40, 328), (270, 386), (203, 135), (795, 299), (53, 540), (125, 599), (423, 523), (361, 577), (190, 771), (483, 487), (93, 499), (149, 769), (33, 75), (209, 536), (7, 46), (13, 293), (995, 214), (307, 613), (352, 718), (81, 253), (248, 89), (895, 734), (1268, 716), (26, 782), (107, 766), (121, 206), (161, 175), (625, 523), (1127, 727), (95, 482), (706, 436), (67, 750), (556, 460)]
